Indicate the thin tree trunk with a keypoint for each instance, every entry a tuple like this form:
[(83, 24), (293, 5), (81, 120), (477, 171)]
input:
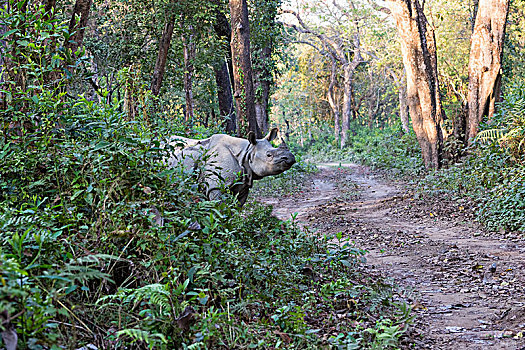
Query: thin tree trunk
[(225, 97), (82, 9), (334, 105), (403, 108), (164, 46), (486, 53), (263, 80), (400, 83), (188, 44), (224, 72), (419, 58), (373, 108), (347, 103), (287, 133), (242, 68)]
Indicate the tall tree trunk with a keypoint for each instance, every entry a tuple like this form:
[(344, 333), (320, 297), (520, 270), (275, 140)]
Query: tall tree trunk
[(225, 97), (130, 93), (263, 14), (486, 53), (373, 107), (224, 71), (81, 9), (332, 100), (419, 58), (242, 68), (262, 81), (188, 43), (347, 103), (400, 83), (164, 46)]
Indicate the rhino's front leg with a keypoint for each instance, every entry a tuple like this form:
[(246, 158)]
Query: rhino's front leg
[(243, 195)]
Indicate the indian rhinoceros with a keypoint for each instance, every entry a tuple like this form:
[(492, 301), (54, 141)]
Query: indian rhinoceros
[(231, 161)]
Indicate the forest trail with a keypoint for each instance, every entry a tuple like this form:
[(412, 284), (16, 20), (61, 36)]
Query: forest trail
[(467, 287)]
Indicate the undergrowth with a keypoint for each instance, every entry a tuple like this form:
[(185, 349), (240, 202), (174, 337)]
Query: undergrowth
[(102, 245), (493, 175), (84, 259), (386, 148)]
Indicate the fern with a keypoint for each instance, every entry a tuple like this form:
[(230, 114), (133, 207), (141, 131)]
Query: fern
[(491, 135), (139, 335), (157, 295)]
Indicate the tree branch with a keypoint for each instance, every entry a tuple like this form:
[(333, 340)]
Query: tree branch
[(334, 48), (376, 7)]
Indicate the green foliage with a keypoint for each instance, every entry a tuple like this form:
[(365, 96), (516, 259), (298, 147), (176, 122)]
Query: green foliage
[(78, 228), (514, 50), (493, 176), (387, 148), (101, 244), (31, 90)]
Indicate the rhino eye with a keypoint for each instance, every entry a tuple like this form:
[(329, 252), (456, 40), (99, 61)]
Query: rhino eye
[(268, 155)]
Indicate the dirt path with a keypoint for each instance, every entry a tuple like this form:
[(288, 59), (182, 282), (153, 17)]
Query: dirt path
[(468, 286)]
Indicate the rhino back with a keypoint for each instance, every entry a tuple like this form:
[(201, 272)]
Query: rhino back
[(186, 151)]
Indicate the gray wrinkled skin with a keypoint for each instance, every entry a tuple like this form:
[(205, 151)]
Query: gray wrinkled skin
[(231, 161)]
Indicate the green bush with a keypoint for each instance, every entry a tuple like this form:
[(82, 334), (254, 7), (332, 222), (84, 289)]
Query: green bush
[(493, 175), (84, 257)]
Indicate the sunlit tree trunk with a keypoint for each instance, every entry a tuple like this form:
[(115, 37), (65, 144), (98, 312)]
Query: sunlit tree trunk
[(164, 46), (336, 48), (347, 103), (242, 68), (486, 53), (403, 108), (332, 100), (400, 83), (419, 58)]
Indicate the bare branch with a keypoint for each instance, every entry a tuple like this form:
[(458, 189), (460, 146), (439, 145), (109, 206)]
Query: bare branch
[(376, 7), (322, 52), (331, 45)]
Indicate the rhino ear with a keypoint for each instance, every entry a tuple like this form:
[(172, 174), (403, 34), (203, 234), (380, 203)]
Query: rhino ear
[(252, 138), (272, 134)]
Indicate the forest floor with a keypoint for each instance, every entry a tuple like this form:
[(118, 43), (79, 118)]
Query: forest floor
[(466, 286)]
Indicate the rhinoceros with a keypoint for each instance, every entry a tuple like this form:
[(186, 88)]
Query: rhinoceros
[(231, 161)]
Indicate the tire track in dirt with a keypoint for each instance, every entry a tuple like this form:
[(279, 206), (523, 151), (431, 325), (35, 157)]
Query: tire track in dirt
[(468, 286)]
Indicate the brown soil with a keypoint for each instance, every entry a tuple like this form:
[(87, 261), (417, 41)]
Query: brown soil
[(468, 285)]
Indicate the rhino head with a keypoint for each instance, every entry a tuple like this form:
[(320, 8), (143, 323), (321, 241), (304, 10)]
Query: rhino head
[(266, 160)]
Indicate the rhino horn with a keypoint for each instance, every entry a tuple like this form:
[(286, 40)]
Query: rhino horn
[(272, 134)]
